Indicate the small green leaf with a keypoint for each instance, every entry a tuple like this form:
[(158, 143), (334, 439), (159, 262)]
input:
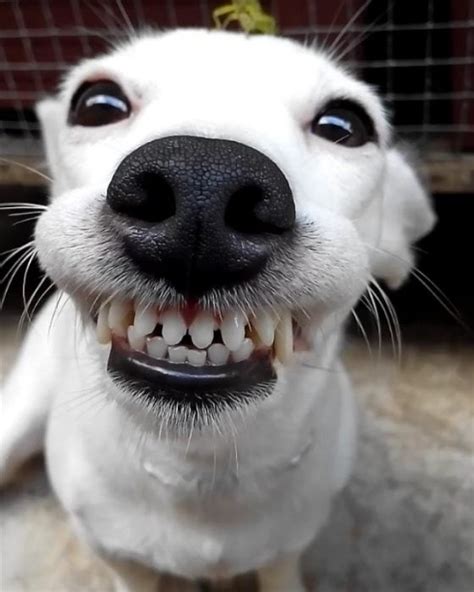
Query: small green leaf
[(248, 13)]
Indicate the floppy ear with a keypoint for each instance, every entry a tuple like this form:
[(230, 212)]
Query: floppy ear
[(49, 114), (406, 215)]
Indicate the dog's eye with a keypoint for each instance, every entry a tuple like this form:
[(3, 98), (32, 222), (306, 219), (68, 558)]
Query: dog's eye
[(344, 122), (98, 103)]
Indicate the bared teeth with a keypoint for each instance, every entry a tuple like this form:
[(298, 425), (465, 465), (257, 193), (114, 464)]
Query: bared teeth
[(244, 351), (202, 329), (233, 330), (218, 354), (119, 317), (174, 327), (197, 357), (284, 338), (103, 332), (166, 331), (178, 354), (135, 339), (156, 347), (145, 320), (264, 325)]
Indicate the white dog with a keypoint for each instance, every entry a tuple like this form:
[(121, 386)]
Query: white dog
[(219, 205)]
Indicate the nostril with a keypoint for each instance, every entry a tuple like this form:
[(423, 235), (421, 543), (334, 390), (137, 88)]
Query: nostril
[(153, 198), (242, 212)]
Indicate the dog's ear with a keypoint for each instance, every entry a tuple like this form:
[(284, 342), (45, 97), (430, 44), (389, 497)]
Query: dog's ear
[(49, 114), (404, 216)]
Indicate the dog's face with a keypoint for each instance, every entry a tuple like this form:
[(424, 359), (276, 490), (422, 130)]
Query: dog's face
[(217, 201)]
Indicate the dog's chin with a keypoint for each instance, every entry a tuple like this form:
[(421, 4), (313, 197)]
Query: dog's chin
[(194, 389)]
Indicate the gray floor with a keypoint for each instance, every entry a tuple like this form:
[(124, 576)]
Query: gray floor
[(405, 523)]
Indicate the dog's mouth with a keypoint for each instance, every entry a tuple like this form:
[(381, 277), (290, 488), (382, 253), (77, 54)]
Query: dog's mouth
[(191, 351)]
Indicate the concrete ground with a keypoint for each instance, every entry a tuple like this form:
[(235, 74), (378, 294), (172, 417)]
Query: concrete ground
[(404, 524)]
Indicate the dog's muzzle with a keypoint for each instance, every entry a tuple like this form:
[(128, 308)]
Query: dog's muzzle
[(200, 213), (203, 215)]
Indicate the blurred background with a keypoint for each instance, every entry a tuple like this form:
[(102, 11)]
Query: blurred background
[(405, 522), (419, 55)]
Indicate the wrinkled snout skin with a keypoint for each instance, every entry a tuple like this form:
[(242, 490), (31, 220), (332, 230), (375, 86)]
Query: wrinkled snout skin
[(214, 191)]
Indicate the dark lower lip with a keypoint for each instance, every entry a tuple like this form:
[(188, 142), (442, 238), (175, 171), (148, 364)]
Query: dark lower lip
[(160, 378)]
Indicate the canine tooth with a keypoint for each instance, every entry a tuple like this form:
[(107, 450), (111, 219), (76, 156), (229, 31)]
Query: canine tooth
[(156, 347), (202, 329), (103, 331), (174, 327), (264, 325), (145, 320), (196, 357), (119, 314), (233, 330), (284, 339), (178, 354), (135, 340), (244, 351), (218, 354)]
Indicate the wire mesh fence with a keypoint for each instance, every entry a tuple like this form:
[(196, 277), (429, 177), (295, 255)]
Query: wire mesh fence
[(420, 55)]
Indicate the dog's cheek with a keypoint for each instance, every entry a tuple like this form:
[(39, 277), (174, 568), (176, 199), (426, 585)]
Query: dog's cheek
[(67, 237), (335, 262)]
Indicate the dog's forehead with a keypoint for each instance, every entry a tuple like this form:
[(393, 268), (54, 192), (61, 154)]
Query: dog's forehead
[(219, 55), (202, 61)]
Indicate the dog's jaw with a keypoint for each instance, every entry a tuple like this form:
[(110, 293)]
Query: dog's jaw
[(200, 364)]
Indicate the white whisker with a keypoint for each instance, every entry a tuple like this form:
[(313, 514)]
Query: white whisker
[(26, 167)]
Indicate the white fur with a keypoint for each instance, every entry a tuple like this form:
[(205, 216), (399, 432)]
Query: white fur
[(255, 488)]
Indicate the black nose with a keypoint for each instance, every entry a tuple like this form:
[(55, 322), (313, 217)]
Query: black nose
[(201, 213)]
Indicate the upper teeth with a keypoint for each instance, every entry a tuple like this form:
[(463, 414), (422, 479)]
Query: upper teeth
[(202, 329), (161, 334), (174, 327)]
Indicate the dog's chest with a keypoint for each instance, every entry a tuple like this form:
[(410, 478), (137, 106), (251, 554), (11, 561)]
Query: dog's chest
[(181, 517), (187, 524)]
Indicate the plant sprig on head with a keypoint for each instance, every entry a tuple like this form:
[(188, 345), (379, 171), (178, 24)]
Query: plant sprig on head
[(248, 13)]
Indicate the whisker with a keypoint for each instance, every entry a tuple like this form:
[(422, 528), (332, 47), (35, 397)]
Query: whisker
[(334, 45), (22, 206), (30, 219), (25, 213), (372, 307), (26, 168), (56, 311), (23, 287), (12, 252), (126, 18), (336, 15), (429, 285), (363, 332), (15, 263), (10, 275), (392, 319), (112, 38), (439, 296), (361, 37), (25, 315), (41, 298)]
